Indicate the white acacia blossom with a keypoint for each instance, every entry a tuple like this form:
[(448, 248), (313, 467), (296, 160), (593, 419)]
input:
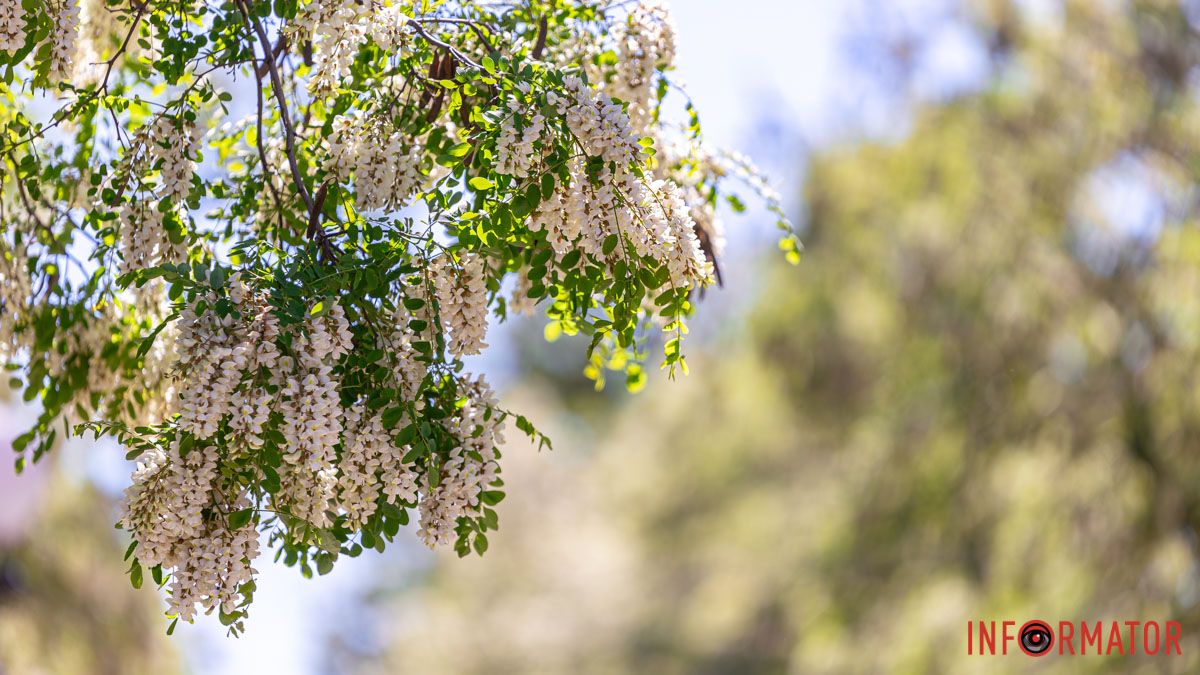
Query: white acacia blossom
[(646, 45), (470, 468), (408, 368), (338, 30), (12, 25), (521, 131), (177, 514), (371, 464), (15, 289), (144, 239), (462, 299), (63, 37), (98, 28), (386, 166), (173, 143)]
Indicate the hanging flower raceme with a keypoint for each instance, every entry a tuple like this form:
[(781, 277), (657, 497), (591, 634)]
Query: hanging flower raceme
[(65, 14), (462, 299), (386, 166)]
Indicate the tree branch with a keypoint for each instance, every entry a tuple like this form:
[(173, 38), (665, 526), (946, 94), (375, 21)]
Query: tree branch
[(543, 29), (466, 60), (277, 88)]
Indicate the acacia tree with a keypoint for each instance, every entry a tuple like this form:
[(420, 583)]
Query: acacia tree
[(270, 311)]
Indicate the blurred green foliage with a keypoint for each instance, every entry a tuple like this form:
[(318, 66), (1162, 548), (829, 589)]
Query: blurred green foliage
[(989, 409), (66, 607)]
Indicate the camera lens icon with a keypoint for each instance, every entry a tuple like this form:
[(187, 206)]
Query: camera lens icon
[(1036, 638)]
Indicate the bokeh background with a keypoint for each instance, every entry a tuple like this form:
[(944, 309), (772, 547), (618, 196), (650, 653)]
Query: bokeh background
[(976, 397)]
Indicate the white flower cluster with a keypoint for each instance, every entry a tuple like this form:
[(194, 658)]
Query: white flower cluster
[(678, 245), (686, 162), (82, 344), (88, 340), (520, 302), (12, 26), (214, 568), (15, 291), (654, 219), (600, 123), (522, 128), (338, 31), (388, 27), (736, 163), (174, 142), (274, 197), (132, 396), (582, 213), (144, 239), (407, 369), (645, 44), (62, 38), (471, 467), (177, 513), (585, 211), (385, 164), (312, 417), (462, 303), (213, 355), (157, 372), (371, 463), (170, 146)]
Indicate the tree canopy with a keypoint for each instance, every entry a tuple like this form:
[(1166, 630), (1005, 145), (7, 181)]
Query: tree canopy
[(254, 240)]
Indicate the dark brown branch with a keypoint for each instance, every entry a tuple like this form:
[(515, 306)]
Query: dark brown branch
[(317, 233), (280, 46), (314, 217), (540, 46), (284, 116)]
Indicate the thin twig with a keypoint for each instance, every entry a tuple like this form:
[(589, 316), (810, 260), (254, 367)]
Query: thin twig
[(475, 27), (444, 45)]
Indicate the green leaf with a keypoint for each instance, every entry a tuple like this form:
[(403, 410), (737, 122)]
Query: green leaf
[(610, 244), (480, 183), (392, 416), (239, 519)]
